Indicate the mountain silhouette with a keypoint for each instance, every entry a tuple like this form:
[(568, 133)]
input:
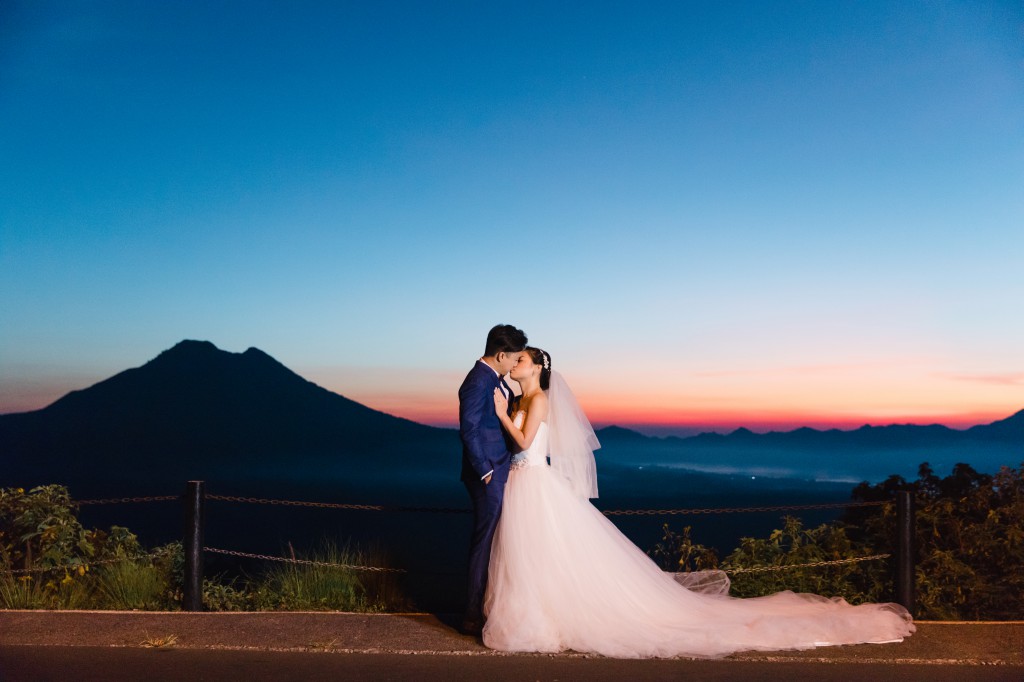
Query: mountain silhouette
[(1009, 430), (869, 452), (198, 411)]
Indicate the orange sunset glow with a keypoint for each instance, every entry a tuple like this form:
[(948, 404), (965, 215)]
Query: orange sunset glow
[(782, 400)]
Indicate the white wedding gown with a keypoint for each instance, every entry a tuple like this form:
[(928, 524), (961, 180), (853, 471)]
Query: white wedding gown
[(562, 576)]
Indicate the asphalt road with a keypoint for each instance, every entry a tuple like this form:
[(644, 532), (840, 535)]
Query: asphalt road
[(115, 664), (120, 646)]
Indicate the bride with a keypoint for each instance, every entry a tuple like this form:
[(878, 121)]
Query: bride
[(562, 576)]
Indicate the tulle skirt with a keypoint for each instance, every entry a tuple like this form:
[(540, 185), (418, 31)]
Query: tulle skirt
[(562, 577)]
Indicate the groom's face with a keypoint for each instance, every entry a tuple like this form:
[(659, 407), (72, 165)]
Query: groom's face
[(506, 361)]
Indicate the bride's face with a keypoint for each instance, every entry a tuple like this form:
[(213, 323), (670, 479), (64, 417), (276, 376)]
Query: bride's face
[(524, 368), (506, 361)]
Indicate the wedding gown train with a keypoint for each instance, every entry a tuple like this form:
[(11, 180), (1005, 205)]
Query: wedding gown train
[(562, 576)]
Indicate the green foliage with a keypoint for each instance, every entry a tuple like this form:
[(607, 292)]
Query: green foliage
[(794, 545), (41, 529), (676, 552), (225, 596), (790, 545), (72, 567), (22, 593), (40, 533), (311, 587), (970, 547), (970, 540), (170, 562), (131, 585)]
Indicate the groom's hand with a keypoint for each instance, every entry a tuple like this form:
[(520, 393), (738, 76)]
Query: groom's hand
[(487, 479)]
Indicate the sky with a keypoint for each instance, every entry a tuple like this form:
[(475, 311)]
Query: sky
[(711, 214)]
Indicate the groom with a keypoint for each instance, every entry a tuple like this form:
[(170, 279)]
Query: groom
[(485, 456)]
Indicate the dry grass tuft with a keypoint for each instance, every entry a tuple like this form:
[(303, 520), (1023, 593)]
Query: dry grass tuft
[(165, 642)]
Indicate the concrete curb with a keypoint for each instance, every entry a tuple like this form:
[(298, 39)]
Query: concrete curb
[(936, 643)]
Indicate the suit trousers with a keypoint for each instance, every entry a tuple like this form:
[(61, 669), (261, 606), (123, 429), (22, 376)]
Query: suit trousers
[(487, 499)]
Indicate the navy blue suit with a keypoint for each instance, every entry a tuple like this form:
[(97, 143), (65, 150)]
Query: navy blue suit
[(484, 448)]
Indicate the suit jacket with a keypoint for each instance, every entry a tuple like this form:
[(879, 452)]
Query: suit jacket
[(485, 446)]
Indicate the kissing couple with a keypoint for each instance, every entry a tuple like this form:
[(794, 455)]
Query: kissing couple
[(548, 572)]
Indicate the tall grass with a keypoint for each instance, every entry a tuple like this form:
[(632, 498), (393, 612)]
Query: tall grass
[(154, 583), (39, 592), (305, 587), (128, 585), (23, 592)]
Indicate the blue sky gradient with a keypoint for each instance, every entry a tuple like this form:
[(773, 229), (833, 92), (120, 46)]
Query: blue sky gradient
[(710, 213)]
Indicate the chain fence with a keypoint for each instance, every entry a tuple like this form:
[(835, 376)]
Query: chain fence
[(456, 510), (337, 505), (739, 510), (307, 562), (87, 565), (610, 512), (127, 500), (816, 564), (449, 510), (357, 567)]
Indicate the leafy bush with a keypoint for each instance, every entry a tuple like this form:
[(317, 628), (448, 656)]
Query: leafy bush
[(72, 567), (676, 552), (970, 540), (41, 529), (795, 545), (788, 546), (969, 548), (40, 533), (225, 596)]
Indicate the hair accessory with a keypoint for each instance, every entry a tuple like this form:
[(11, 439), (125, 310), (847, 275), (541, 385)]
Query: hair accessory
[(547, 360)]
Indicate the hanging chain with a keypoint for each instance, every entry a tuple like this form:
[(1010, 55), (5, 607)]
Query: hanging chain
[(85, 564), (837, 562), (126, 500), (735, 510), (611, 512), (305, 562)]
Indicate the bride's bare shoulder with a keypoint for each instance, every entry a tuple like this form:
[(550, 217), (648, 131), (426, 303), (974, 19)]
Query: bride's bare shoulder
[(540, 403)]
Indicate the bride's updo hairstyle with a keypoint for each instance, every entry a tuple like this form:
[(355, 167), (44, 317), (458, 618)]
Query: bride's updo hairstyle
[(543, 359)]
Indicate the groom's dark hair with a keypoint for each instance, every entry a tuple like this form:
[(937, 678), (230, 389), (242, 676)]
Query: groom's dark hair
[(504, 338)]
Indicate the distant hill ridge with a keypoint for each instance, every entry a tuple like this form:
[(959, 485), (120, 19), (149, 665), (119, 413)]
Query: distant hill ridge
[(195, 410), (1010, 429), (866, 453)]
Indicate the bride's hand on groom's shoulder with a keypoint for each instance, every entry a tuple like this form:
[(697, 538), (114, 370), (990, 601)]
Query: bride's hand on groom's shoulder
[(500, 403)]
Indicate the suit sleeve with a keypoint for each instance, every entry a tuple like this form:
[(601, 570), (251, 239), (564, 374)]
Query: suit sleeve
[(474, 399)]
